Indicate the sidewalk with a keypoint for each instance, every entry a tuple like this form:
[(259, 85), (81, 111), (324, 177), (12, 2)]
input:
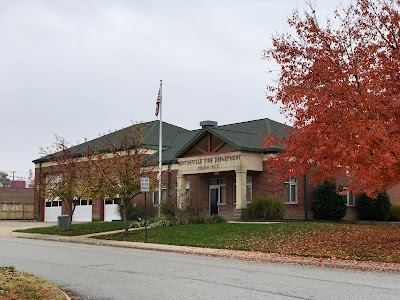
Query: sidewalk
[(220, 253), (7, 227)]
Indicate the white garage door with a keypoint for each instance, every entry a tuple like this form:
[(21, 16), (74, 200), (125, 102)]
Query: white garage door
[(52, 210), (111, 211), (83, 210)]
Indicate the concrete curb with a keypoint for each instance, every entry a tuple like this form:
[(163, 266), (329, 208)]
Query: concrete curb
[(66, 295), (220, 253)]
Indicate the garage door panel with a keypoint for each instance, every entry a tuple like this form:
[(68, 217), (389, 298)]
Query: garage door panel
[(111, 212), (82, 213), (51, 214)]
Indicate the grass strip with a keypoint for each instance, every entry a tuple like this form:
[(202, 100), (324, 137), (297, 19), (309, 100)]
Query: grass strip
[(78, 229), (24, 286)]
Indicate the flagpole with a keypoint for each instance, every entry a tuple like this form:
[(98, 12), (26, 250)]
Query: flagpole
[(160, 152)]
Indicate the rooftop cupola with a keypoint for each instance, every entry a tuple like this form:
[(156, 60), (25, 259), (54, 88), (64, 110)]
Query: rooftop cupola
[(205, 124)]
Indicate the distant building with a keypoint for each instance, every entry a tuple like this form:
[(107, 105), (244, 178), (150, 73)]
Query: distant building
[(16, 202), (21, 184)]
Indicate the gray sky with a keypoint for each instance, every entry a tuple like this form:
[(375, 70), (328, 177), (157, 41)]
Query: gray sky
[(81, 68)]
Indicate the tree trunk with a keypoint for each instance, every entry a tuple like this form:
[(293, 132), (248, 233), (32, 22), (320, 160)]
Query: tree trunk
[(70, 211), (70, 220)]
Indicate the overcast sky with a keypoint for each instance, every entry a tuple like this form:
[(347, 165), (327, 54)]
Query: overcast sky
[(81, 68)]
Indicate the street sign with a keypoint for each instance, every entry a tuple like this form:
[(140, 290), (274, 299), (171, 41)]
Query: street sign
[(144, 184)]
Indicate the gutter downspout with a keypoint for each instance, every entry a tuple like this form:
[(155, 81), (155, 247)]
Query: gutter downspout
[(168, 178), (39, 190), (305, 198)]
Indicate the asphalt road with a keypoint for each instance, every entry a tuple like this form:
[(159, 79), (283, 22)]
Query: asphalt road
[(98, 272)]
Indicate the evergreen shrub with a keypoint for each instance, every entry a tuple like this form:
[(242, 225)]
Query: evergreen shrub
[(327, 204), (374, 209)]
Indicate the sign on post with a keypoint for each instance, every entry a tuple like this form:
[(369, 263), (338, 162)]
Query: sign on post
[(144, 184), (145, 187)]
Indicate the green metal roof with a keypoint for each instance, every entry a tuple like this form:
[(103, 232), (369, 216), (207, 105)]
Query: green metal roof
[(150, 138), (244, 136)]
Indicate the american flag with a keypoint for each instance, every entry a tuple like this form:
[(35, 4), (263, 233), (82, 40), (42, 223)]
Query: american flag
[(158, 102)]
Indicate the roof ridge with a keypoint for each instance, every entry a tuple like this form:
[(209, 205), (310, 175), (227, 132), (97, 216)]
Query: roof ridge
[(263, 119), (268, 125), (244, 132)]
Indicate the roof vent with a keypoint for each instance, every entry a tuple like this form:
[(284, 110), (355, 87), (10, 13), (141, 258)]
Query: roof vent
[(205, 124)]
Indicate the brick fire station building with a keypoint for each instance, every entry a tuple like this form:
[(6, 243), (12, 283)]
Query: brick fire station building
[(219, 168)]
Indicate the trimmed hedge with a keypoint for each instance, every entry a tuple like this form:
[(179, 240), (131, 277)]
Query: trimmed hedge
[(395, 213), (374, 209), (327, 203)]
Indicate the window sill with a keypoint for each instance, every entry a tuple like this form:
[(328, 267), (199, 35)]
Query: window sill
[(290, 202)]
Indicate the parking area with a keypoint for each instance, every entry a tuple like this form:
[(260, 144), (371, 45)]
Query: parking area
[(6, 227)]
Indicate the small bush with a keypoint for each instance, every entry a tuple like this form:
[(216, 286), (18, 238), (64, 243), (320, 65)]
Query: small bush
[(169, 206), (374, 209), (214, 219), (169, 209), (327, 203), (395, 213), (197, 219), (268, 208), (136, 224), (162, 221)]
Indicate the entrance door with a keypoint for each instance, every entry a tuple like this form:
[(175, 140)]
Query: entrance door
[(214, 200), (217, 194)]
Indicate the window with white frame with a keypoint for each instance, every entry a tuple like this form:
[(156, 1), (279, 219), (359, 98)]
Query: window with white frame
[(109, 201), (187, 185), (249, 189), (79, 201), (53, 203), (163, 196), (349, 196), (290, 187)]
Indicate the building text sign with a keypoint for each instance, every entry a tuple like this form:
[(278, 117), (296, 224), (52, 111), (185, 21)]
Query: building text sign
[(231, 161), (209, 163)]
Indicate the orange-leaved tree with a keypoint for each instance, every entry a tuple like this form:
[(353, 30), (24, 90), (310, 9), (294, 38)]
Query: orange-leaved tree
[(339, 83), (116, 172)]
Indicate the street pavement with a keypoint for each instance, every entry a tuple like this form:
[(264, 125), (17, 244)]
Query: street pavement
[(99, 272)]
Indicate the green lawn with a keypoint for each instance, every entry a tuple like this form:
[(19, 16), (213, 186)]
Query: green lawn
[(78, 229), (324, 240), (313, 239)]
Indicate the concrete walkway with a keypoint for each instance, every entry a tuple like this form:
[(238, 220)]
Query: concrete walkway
[(6, 227), (221, 253)]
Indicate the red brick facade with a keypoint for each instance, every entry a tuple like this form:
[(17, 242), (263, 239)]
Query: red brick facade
[(200, 198), (394, 194)]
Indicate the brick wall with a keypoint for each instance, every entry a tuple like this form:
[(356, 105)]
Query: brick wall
[(394, 194), (16, 195)]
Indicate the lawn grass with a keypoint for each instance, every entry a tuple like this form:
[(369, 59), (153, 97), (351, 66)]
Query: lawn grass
[(78, 229), (313, 239), (310, 239), (24, 286)]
